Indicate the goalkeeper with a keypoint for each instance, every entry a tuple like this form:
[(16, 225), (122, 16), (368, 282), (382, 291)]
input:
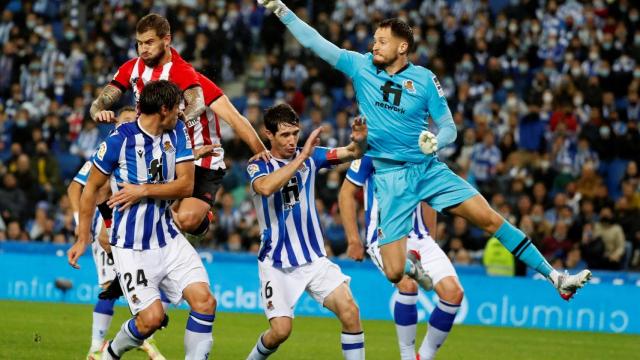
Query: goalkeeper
[(397, 98)]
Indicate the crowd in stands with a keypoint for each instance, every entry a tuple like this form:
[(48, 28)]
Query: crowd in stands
[(545, 96)]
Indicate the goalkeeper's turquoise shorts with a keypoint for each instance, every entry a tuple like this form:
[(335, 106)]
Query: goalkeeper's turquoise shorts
[(400, 186)]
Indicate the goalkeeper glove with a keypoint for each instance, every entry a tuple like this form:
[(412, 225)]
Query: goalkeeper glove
[(276, 6), (428, 142)]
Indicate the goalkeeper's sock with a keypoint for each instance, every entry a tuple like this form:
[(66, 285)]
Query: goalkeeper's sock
[(405, 315), (440, 323), (522, 248)]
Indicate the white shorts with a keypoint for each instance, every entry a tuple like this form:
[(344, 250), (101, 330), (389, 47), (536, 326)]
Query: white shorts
[(434, 261), (143, 273), (104, 264), (280, 289)]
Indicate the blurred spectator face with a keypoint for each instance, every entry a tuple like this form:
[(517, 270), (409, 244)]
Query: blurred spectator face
[(16, 149), (387, 47), (151, 47), (234, 242), (489, 139), (606, 216), (526, 225), (560, 200), (13, 230), (573, 257), (341, 120), (42, 149), (537, 213), (560, 231), (23, 164), (9, 181), (333, 180), (227, 201), (460, 225)]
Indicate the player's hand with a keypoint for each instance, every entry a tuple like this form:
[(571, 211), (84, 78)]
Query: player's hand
[(276, 6), (355, 250), (428, 142), (264, 155), (75, 252), (206, 150), (105, 116), (128, 195), (359, 130), (312, 142)]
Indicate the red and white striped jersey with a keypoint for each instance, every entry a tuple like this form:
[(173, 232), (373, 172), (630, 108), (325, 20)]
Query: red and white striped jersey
[(206, 131), (134, 74)]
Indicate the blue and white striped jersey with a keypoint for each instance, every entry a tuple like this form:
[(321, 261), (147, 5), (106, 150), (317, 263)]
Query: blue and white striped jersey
[(289, 222), (130, 155), (361, 173)]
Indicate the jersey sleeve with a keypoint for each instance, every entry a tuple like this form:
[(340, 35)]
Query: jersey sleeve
[(185, 76), (324, 157), (350, 62), (122, 76), (83, 174), (108, 153), (256, 169), (440, 112), (360, 170), (210, 90), (183, 144)]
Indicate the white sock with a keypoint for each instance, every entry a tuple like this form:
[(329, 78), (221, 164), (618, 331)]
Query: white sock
[(260, 351), (440, 323), (352, 346), (405, 314), (126, 339), (553, 277), (197, 336), (102, 316)]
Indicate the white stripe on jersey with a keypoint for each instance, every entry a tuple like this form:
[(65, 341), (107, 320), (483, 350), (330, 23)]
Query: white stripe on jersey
[(144, 72), (274, 249), (205, 132)]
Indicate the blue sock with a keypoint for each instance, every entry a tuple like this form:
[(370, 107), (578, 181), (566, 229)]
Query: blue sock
[(197, 337), (104, 307), (522, 248), (440, 323), (405, 314)]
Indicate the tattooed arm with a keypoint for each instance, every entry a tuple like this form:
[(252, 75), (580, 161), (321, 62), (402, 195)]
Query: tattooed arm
[(194, 99), (100, 107)]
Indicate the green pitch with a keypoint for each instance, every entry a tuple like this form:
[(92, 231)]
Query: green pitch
[(63, 331)]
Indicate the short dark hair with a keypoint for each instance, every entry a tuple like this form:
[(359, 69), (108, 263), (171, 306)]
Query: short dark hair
[(278, 114), (126, 108), (154, 22), (157, 94), (399, 29)]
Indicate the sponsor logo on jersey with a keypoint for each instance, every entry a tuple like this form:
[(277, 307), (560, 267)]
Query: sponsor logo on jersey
[(102, 150), (252, 169), (438, 86)]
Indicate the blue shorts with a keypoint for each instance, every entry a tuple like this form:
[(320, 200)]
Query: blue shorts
[(401, 186)]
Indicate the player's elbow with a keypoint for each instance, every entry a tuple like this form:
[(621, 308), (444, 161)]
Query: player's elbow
[(262, 188), (186, 189)]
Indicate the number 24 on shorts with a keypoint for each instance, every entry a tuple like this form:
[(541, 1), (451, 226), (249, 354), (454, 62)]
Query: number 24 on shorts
[(140, 279)]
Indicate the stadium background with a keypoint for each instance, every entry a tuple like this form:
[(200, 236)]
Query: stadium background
[(544, 96)]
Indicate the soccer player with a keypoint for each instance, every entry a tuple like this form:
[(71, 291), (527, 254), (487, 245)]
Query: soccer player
[(292, 256), (152, 164), (397, 99), (101, 222), (435, 262)]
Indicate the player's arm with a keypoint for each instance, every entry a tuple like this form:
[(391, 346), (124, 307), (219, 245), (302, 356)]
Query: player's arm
[(441, 114), (225, 109), (181, 187), (99, 110), (348, 214), (74, 191), (194, 99), (87, 208), (267, 184), (430, 218)]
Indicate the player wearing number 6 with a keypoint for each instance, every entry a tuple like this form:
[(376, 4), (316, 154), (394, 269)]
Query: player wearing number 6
[(292, 257), (152, 163), (397, 99)]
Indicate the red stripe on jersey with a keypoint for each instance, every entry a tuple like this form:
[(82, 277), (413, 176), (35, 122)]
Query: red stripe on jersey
[(157, 71)]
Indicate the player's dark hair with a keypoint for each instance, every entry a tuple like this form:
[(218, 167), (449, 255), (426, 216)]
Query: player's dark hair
[(280, 114), (157, 94), (125, 109), (399, 29), (154, 22)]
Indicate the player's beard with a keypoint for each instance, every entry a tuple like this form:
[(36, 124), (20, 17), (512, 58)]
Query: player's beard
[(385, 62), (153, 62)]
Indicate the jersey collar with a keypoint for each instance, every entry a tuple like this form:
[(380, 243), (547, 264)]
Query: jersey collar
[(405, 67)]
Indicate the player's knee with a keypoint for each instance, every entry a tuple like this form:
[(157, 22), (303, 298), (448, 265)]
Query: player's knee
[(205, 303), (490, 222), (407, 285), (394, 275), (453, 294), (189, 221), (281, 331), (150, 321)]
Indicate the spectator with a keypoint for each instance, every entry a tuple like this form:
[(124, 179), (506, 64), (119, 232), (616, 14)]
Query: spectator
[(87, 141), (613, 240)]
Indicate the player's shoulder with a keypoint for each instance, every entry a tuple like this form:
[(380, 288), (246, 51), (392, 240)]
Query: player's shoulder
[(256, 166), (125, 130), (128, 65), (421, 71)]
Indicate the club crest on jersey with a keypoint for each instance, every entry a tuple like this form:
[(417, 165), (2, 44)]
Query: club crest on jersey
[(101, 151), (85, 168), (167, 147), (380, 234), (134, 299), (303, 168), (252, 169), (438, 86), (408, 84), (355, 165), (270, 305)]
